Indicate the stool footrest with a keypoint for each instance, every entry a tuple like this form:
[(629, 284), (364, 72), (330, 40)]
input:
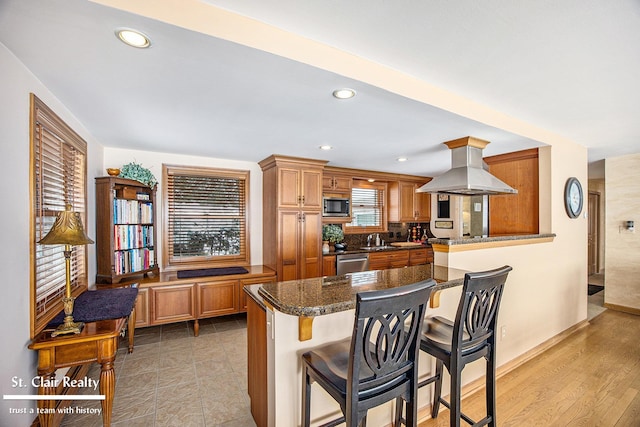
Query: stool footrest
[(482, 422), (334, 423), (428, 381)]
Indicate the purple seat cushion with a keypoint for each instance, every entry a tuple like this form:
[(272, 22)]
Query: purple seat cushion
[(104, 304), (220, 271)]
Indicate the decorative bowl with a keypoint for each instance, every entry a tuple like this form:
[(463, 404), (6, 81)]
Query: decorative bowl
[(113, 171), (340, 246)]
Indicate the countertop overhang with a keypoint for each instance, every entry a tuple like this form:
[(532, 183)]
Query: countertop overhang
[(473, 243), (325, 295)]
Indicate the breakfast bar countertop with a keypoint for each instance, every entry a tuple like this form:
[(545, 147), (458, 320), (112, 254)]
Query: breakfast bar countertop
[(324, 295)]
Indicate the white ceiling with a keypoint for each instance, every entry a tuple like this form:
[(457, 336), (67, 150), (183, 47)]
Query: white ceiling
[(568, 67)]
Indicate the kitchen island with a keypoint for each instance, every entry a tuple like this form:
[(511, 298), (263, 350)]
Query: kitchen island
[(286, 319)]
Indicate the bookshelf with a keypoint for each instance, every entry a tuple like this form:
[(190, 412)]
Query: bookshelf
[(125, 229)]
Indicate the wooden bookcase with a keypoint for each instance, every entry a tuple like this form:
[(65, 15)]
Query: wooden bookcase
[(125, 229)]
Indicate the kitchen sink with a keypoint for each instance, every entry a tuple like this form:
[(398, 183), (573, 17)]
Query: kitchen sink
[(376, 248)]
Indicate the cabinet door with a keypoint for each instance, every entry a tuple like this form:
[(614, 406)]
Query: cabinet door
[(329, 265), (422, 206), (288, 183), (311, 189), (342, 183), (173, 304), (397, 259), (327, 182), (417, 256), (406, 205), (378, 261), (217, 298), (289, 234), (311, 245), (142, 308)]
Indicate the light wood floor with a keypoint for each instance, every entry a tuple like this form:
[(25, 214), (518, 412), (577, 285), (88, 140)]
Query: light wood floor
[(592, 378)]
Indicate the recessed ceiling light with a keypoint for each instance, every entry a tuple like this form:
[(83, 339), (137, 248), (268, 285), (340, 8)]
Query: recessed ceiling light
[(326, 147), (133, 37), (344, 93), (402, 159)]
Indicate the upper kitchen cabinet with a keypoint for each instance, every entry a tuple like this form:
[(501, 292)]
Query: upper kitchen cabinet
[(407, 205), (299, 186), (336, 183), (515, 213), (292, 216)]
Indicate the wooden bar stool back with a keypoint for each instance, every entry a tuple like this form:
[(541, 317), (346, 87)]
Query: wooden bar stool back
[(379, 362)]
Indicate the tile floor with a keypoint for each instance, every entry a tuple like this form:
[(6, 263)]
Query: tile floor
[(175, 379)]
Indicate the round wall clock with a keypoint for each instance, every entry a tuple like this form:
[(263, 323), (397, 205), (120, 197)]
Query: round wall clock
[(573, 197)]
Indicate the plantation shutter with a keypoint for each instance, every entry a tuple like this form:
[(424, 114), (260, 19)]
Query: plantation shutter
[(206, 220), (59, 177)]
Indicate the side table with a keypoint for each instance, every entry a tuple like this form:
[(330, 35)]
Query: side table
[(98, 342)]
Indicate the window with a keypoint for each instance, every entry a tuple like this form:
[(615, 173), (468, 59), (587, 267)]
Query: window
[(367, 207), (205, 217), (58, 170)]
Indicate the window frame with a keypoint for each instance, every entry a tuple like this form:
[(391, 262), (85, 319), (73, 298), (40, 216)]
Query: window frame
[(168, 261), (47, 199), (382, 187)]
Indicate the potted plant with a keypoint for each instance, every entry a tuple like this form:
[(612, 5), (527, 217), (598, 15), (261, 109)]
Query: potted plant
[(331, 233)]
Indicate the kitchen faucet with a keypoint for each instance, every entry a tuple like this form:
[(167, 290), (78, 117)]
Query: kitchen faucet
[(369, 237)]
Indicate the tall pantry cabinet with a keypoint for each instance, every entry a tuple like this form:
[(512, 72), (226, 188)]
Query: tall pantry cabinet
[(292, 216)]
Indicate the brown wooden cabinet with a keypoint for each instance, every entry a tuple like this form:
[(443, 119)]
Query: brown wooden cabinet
[(251, 281), (125, 229), (336, 183), (515, 213), (407, 205), (167, 299), (142, 308), (329, 265), (217, 298), (292, 216), (418, 256), (173, 304), (388, 259)]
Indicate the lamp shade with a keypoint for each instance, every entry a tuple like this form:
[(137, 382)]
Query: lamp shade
[(67, 230)]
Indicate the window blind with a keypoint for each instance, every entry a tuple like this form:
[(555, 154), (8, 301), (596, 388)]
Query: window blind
[(206, 216), (367, 207), (58, 165)]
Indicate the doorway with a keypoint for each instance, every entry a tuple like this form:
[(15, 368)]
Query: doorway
[(593, 239)]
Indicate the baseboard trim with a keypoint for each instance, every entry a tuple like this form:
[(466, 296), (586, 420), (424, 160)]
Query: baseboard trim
[(424, 413), (623, 308)]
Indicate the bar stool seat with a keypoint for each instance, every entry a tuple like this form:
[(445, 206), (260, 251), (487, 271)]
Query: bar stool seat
[(379, 363)]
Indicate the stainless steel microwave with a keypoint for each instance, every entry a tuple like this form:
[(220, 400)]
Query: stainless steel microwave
[(333, 206)]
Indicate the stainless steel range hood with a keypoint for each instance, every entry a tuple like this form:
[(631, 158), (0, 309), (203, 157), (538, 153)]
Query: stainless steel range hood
[(467, 175)]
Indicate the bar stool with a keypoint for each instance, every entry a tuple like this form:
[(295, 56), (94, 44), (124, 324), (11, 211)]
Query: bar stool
[(378, 363), (470, 337)]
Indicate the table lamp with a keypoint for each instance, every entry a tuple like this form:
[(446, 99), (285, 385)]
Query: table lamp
[(67, 231)]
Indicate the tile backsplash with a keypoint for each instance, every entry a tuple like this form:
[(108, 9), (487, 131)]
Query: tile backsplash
[(397, 232)]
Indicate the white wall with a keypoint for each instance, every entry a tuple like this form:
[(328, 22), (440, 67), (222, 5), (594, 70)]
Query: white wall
[(116, 157), (17, 360), (546, 293)]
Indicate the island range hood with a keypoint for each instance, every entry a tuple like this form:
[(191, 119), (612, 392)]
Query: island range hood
[(467, 176)]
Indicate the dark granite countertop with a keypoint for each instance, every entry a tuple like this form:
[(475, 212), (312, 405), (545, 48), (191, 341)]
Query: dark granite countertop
[(325, 295), (386, 248), (470, 240)]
